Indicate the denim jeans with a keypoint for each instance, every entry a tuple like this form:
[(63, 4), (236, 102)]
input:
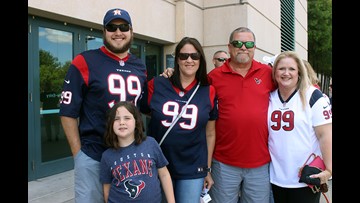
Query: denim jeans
[(187, 190), (88, 188)]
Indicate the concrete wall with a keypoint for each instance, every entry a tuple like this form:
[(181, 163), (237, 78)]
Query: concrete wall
[(167, 21)]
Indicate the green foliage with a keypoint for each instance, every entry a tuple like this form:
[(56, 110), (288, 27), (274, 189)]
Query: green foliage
[(320, 36), (52, 72)]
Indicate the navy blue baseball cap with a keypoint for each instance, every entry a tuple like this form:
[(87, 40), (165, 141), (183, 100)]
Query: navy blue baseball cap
[(116, 13)]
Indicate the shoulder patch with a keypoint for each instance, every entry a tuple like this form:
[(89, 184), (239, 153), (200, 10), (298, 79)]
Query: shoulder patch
[(80, 63), (316, 95)]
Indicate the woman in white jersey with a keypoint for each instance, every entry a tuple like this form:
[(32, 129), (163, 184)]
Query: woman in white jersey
[(300, 123)]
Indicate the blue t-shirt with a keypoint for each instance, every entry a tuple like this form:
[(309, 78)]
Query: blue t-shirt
[(132, 172)]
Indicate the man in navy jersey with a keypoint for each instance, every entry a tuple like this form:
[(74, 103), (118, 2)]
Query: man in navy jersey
[(95, 81)]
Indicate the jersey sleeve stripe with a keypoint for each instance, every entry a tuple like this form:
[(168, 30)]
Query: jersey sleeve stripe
[(80, 63)]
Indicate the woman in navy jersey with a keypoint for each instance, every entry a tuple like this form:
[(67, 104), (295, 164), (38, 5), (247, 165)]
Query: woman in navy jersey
[(189, 145)]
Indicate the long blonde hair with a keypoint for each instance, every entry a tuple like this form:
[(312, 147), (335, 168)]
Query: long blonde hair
[(311, 73), (303, 80)]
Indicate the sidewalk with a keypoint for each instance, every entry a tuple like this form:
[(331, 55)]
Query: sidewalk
[(59, 188), (328, 194)]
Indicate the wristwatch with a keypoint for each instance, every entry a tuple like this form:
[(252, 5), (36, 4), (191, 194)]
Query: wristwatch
[(204, 169)]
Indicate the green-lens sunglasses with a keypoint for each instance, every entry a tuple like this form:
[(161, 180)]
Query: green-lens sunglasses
[(239, 44)]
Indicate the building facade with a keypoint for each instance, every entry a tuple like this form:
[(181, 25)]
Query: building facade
[(61, 29)]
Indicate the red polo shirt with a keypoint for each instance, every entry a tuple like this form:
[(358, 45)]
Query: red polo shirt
[(241, 128)]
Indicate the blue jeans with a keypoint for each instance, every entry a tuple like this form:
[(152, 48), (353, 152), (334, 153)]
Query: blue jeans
[(88, 188), (187, 190), (230, 182)]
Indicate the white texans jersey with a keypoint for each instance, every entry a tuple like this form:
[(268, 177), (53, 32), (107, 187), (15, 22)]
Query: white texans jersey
[(291, 133)]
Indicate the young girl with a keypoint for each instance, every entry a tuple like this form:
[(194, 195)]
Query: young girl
[(134, 165)]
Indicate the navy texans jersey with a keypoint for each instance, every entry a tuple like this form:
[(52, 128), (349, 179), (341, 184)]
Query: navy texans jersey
[(95, 81), (185, 146)]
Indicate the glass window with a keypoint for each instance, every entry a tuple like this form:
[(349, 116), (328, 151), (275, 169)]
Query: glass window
[(93, 42), (55, 55)]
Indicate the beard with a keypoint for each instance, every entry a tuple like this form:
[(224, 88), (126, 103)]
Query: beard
[(117, 50), (242, 58)]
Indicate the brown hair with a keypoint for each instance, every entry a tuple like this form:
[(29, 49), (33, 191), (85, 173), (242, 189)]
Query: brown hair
[(110, 137), (201, 73)]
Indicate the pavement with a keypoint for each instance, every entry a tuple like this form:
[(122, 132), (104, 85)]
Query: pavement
[(59, 188), (328, 194)]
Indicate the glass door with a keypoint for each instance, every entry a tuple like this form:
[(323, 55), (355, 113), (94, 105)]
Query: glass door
[(151, 54), (55, 55), (52, 46)]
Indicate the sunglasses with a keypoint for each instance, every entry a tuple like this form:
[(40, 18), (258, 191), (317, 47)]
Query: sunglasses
[(239, 44), (185, 56), (113, 27), (220, 59)]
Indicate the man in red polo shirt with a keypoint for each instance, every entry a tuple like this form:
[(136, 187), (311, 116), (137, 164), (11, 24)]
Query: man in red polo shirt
[(241, 157)]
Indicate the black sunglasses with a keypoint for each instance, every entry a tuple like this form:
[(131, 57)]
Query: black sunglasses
[(185, 56), (239, 44), (113, 27), (220, 59)]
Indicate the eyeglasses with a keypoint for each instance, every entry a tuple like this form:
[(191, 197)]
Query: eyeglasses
[(185, 56), (239, 44), (113, 27), (220, 59)]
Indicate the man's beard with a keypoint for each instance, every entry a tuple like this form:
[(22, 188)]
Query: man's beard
[(115, 50), (242, 59)]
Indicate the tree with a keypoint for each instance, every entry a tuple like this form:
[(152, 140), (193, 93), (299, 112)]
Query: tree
[(52, 72), (320, 38)]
